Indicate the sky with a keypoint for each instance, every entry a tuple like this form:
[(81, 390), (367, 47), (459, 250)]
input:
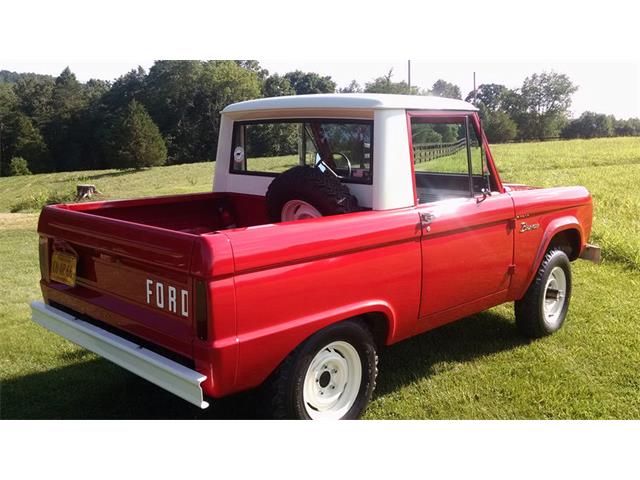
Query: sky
[(604, 87)]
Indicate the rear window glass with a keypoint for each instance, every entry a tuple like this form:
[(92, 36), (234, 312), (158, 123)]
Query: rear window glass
[(269, 148)]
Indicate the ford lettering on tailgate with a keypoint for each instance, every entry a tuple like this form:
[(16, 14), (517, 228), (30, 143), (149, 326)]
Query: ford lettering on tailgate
[(168, 298)]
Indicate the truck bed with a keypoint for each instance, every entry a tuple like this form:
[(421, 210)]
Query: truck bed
[(122, 245), (194, 214)]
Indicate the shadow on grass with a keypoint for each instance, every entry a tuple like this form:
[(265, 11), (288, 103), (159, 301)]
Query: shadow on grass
[(473, 337), (97, 389), (119, 173), (81, 178)]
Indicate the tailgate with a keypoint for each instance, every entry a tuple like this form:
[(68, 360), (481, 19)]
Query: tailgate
[(131, 276)]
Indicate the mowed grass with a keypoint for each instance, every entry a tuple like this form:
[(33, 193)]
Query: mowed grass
[(479, 367), (609, 168), (18, 191)]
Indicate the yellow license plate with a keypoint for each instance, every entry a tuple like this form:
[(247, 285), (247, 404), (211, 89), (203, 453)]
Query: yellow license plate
[(63, 268)]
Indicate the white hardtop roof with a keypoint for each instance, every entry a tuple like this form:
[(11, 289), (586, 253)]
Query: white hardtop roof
[(352, 101)]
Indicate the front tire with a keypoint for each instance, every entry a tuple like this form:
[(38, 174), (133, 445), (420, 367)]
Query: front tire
[(543, 309), (331, 376)]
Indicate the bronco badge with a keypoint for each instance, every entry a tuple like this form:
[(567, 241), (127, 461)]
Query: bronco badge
[(526, 228)]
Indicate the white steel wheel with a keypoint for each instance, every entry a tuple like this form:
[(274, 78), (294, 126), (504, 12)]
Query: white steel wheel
[(554, 296), (329, 376), (298, 210), (332, 381)]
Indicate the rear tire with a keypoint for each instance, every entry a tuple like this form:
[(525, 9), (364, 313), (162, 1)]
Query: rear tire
[(543, 309), (331, 376), (322, 191)]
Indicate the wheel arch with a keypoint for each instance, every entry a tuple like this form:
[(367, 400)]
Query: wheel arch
[(569, 240), (378, 316), (379, 325), (564, 232)]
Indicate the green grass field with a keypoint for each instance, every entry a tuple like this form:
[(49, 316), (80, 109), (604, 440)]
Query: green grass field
[(479, 367)]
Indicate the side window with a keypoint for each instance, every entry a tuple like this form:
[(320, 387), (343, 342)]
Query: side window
[(448, 162), (477, 154), (268, 147), (439, 147), (479, 164)]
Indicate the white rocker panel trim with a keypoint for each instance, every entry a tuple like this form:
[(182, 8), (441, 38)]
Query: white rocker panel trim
[(173, 377)]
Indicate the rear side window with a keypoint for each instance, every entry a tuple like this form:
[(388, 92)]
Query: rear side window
[(269, 148)]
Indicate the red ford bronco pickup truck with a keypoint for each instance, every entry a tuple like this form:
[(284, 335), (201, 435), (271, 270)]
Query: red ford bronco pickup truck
[(338, 224)]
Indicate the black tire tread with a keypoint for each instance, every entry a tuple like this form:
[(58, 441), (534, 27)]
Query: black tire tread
[(527, 309), (322, 190)]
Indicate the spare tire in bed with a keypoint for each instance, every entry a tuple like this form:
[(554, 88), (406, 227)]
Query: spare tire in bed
[(306, 192)]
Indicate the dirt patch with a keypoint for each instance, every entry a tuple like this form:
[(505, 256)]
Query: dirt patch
[(18, 221)]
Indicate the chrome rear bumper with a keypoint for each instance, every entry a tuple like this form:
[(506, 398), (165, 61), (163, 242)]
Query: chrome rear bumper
[(167, 374), (592, 253)]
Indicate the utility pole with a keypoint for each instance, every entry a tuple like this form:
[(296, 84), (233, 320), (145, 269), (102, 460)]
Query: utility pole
[(474, 88), (409, 75), (1, 158)]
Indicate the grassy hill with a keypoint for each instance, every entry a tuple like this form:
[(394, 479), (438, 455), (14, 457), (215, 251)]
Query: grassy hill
[(24, 193), (479, 367)]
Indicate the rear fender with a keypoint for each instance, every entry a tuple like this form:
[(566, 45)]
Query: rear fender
[(262, 351)]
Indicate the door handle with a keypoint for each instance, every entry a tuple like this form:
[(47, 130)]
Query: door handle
[(425, 220)]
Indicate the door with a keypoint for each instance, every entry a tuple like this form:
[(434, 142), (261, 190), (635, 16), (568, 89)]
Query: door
[(467, 249), (467, 234)]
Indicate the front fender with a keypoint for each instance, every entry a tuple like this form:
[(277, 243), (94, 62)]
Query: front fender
[(555, 226)]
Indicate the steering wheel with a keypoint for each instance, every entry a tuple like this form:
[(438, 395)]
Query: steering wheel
[(323, 165), (346, 159)]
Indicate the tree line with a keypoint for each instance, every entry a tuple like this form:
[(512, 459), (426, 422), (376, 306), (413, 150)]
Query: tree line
[(540, 110), (170, 114)]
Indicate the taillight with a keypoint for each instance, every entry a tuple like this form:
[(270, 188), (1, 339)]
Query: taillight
[(43, 250), (201, 310)]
